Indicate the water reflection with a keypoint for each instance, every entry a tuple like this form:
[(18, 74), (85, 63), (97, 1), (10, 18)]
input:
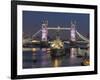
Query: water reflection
[(41, 58), (56, 62)]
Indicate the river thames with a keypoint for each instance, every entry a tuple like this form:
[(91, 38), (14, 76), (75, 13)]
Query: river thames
[(42, 58)]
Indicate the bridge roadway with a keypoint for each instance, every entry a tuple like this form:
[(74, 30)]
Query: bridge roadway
[(36, 41)]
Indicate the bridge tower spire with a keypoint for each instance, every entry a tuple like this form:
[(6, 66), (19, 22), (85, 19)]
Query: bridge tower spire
[(73, 39), (44, 30), (73, 32)]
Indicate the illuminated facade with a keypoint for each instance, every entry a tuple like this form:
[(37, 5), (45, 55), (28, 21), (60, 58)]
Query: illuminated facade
[(44, 32), (73, 51)]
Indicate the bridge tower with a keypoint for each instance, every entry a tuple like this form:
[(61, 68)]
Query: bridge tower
[(73, 51), (44, 31), (73, 32)]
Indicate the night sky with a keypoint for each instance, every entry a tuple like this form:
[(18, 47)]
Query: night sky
[(32, 21)]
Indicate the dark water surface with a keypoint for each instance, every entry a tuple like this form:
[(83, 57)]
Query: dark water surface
[(43, 59)]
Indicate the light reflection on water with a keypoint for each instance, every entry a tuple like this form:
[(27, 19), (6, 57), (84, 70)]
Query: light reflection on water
[(56, 62), (41, 58)]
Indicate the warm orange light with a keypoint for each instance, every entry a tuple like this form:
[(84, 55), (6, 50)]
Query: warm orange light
[(34, 49)]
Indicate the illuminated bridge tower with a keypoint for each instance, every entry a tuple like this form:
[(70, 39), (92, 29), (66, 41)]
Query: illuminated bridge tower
[(73, 40), (44, 31)]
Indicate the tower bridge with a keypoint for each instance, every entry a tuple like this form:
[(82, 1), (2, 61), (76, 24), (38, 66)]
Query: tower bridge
[(73, 33)]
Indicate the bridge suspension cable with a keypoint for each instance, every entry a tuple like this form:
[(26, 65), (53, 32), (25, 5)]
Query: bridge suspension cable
[(36, 33), (82, 37)]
